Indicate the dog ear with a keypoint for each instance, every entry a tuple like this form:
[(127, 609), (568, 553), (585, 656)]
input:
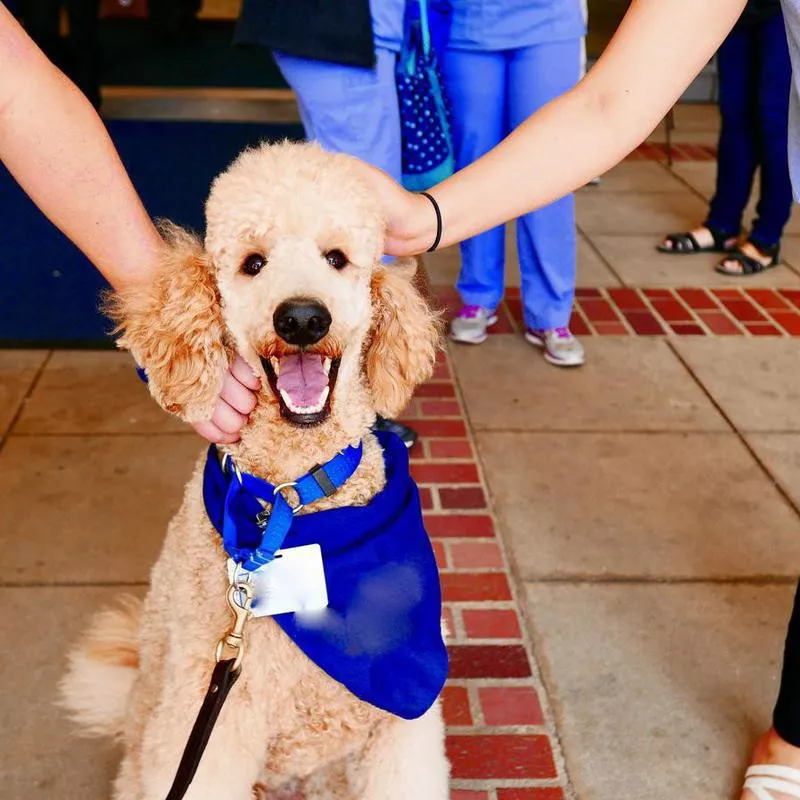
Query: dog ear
[(173, 328), (404, 340)]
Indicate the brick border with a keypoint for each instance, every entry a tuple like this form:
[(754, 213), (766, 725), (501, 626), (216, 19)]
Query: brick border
[(500, 735), (681, 151), (684, 311)]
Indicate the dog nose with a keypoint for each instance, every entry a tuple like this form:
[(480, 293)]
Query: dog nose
[(301, 322)]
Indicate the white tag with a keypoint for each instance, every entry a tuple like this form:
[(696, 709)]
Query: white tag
[(293, 581)]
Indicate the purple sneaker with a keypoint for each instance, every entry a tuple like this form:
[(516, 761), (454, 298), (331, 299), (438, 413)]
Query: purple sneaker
[(471, 324), (560, 346)]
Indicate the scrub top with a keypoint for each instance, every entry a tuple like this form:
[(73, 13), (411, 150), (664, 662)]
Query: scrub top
[(513, 24), (387, 23)]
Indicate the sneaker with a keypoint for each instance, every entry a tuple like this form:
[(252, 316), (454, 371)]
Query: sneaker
[(408, 435), (560, 346), (471, 324)]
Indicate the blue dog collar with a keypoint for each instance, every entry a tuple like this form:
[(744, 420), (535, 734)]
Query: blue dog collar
[(256, 516)]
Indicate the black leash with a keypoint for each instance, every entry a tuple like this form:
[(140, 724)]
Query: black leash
[(224, 676), (222, 680)]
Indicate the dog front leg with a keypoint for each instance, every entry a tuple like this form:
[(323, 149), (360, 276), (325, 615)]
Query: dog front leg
[(234, 756), (404, 759)]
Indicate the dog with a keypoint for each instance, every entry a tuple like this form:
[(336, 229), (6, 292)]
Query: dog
[(290, 276)]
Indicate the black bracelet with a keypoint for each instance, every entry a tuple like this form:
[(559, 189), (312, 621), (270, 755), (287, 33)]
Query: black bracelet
[(438, 221)]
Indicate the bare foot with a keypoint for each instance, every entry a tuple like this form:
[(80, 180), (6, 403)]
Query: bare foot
[(702, 235), (733, 267), (771, 749)]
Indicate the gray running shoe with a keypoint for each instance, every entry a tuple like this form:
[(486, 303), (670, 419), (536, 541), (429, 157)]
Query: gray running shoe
[(471, 325), (560, 346)]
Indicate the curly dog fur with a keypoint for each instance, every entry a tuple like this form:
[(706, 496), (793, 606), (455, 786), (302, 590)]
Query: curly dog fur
[(287, 729)]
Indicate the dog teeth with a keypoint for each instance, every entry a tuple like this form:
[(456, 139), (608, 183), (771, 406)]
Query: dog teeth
[(315, 409), (276, 365), (326, 365)]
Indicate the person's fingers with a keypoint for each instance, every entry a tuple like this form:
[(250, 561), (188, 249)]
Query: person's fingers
[(227, 418), (237, 395), (209, 431), (243, 373)]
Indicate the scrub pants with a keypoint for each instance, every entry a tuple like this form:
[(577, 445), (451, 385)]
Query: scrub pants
[(350, 110), (491, 93)]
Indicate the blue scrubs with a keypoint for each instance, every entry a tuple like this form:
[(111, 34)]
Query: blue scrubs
[(354, 110), (506, 59)]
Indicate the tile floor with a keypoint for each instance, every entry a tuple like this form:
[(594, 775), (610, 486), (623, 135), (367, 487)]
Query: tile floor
[(618, 544)]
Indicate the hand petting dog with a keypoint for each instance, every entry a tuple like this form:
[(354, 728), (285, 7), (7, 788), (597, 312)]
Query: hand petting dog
[(236, 400)]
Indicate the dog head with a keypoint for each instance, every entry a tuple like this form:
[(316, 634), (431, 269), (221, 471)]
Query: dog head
[(290, 276)]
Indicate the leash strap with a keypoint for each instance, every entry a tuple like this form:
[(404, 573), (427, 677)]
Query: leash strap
[(223, 678)]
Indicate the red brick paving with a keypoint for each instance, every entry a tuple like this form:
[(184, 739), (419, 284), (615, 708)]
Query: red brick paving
[(473, 555), (489, 623), (529, 794), (510, 705), (455, 702), (498, 737), (461, 498), (466, 586), (684, 311), (502, 756), (681, 151)]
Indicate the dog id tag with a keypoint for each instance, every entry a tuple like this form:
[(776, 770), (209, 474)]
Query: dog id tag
[(293, 581)]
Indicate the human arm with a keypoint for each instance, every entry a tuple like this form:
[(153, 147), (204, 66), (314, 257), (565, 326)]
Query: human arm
[(660, 46), (57, 148)]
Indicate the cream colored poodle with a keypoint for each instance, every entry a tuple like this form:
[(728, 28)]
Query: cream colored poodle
[(290, 276)]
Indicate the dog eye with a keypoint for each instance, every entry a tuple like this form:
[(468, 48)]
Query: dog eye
[(336, 258), (253, 264)]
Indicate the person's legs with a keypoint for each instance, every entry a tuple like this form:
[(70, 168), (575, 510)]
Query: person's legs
[(779, 747), (737, 153), (775, 75), (349, 110), (546, 238), (786, 717), (476, 86)]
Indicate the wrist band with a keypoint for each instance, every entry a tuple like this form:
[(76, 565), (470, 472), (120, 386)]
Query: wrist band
[(438, 221)]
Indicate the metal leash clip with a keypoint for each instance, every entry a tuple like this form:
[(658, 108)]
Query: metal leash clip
[(240, 600)]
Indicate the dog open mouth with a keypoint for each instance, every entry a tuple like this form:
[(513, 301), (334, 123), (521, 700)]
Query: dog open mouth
[(303, 384)]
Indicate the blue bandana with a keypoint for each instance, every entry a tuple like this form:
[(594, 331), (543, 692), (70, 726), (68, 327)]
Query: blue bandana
[(381, 634)]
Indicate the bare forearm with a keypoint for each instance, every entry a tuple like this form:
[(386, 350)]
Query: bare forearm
[(583, 133), (57, 148)]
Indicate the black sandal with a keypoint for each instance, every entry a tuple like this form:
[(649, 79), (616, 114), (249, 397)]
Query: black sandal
[(683, 244), (750, 265)]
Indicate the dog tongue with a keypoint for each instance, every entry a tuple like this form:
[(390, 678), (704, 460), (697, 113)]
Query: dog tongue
[(302, 376)]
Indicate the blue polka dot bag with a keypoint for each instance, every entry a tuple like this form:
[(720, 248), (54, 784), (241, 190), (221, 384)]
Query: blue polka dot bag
[(428, 155)]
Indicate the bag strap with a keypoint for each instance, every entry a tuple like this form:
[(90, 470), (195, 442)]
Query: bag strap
[(424, 26)]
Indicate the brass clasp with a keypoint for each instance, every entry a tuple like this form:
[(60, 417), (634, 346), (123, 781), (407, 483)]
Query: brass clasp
[(240, 599)]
